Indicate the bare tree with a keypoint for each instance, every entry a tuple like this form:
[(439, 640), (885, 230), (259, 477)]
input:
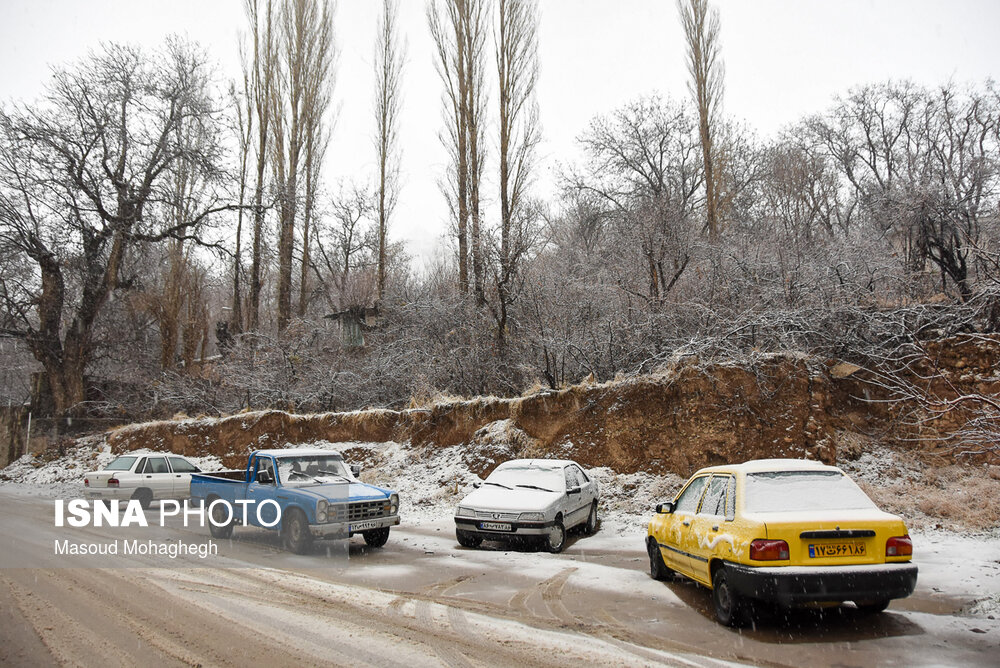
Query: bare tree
[(306, 56), (458, 28), (701, 30), (389, 59), (517, 70), (82, 176)]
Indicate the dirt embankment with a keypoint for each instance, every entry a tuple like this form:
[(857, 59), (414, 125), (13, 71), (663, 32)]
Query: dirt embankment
[(690, 415)]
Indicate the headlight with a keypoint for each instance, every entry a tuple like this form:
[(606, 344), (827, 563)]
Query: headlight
[(394, 503), (464, 512), (532, 517), (321, 511)]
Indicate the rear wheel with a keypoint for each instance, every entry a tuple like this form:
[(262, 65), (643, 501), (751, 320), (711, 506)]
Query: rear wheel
[(466, 539), (220, 513), (295, 530), (144, 497), (591, 527), (376, 537), (873, 607), (657, 569), (730, 608)]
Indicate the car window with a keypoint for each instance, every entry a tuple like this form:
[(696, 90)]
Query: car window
[(181, 465), (156, 465), (526, 475), (572, 480), (264, 464), (731, 499), (715, 496), (687, 502), (120, 464), (584, 478)]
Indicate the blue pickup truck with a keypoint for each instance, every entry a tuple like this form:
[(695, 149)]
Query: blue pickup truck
[(305, 494)]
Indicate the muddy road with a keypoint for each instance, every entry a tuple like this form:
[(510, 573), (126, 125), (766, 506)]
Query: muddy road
[(422, 600)]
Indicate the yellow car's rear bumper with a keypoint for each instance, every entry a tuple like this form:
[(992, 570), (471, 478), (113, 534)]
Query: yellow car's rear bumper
[(797, 585)]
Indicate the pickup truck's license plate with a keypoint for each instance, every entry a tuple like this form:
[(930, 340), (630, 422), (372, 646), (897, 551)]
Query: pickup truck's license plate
[(494, 526), (837, 550), (361, 526)]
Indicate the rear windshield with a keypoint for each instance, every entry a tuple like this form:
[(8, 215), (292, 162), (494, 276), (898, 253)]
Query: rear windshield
[(785, 491), (121, 464)]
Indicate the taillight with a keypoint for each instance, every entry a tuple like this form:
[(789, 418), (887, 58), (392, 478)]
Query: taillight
[(898, 546), (112, 482), (769, 550), (86, 483)]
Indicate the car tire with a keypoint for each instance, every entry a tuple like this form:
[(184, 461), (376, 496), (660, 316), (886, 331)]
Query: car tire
[(219, 513), (466, 539), (376, 537), (144, 496), (873, 607), (590, 528), (555, 541), (731, 609), (295, 531), (657, 569)]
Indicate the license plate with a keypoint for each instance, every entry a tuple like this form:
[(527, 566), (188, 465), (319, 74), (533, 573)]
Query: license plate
[(826, 550), (361, 526), (494, 526)]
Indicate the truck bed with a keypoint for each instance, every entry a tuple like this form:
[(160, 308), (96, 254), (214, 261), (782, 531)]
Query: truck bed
[(236, 475)]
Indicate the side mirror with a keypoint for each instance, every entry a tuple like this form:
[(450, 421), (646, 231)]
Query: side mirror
[(264, 478), (667, 508), (477, 485), (573, 490), (356, 470)]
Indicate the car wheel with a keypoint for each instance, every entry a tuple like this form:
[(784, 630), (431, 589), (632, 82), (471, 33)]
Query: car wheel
[(466, 539), (376, 537), (219, 516), (144, 497), (730, 608), (657, 569), (873, 607), (591, 527), (296, 532), (556, 539)]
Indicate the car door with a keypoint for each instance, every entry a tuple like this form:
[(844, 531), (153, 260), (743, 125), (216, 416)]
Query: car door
[(156, 477), (706, 530), (677, 541), (259, 491), (575, 503), (181, 470)]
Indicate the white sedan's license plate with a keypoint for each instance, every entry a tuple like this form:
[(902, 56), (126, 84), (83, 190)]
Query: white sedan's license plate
[(494, 526), (361, 526)]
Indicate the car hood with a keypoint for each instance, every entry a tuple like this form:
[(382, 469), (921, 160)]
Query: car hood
[(354, 491), (489, 497)]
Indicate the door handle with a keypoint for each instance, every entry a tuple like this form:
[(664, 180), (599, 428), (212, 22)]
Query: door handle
[(715, 528), (149, 476), (687, 524)]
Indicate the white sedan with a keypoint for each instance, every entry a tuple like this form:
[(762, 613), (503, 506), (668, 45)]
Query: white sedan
[(143, 477), (529, 498)]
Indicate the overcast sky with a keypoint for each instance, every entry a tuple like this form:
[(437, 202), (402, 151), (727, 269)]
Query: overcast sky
[(784, 59)]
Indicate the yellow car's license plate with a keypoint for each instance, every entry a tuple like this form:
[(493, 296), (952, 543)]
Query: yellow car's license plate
[(825, 550)]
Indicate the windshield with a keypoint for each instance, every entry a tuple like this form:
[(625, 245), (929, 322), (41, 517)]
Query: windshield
[(530, 477), (312, 470), (803, 490), (121, 464)]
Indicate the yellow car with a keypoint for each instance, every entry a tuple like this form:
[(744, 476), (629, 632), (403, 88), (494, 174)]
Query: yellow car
[(784, 531)]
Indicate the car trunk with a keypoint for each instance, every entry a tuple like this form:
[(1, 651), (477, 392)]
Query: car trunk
[(834, 538)]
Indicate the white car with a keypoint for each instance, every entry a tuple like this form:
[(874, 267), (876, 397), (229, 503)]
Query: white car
[(529, 498), (144, 477)]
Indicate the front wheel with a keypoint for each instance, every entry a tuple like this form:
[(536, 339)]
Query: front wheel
[(556, 539), (376, 537), (657, 569), (730, 608), (296, 533), (591, 527), (466, 539)]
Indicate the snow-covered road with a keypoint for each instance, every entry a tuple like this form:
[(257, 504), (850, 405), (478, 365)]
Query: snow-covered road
[(423, 600)]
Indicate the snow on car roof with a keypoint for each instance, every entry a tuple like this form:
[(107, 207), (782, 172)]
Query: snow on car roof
[(767, 465), (538, 463), (300, 452)]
